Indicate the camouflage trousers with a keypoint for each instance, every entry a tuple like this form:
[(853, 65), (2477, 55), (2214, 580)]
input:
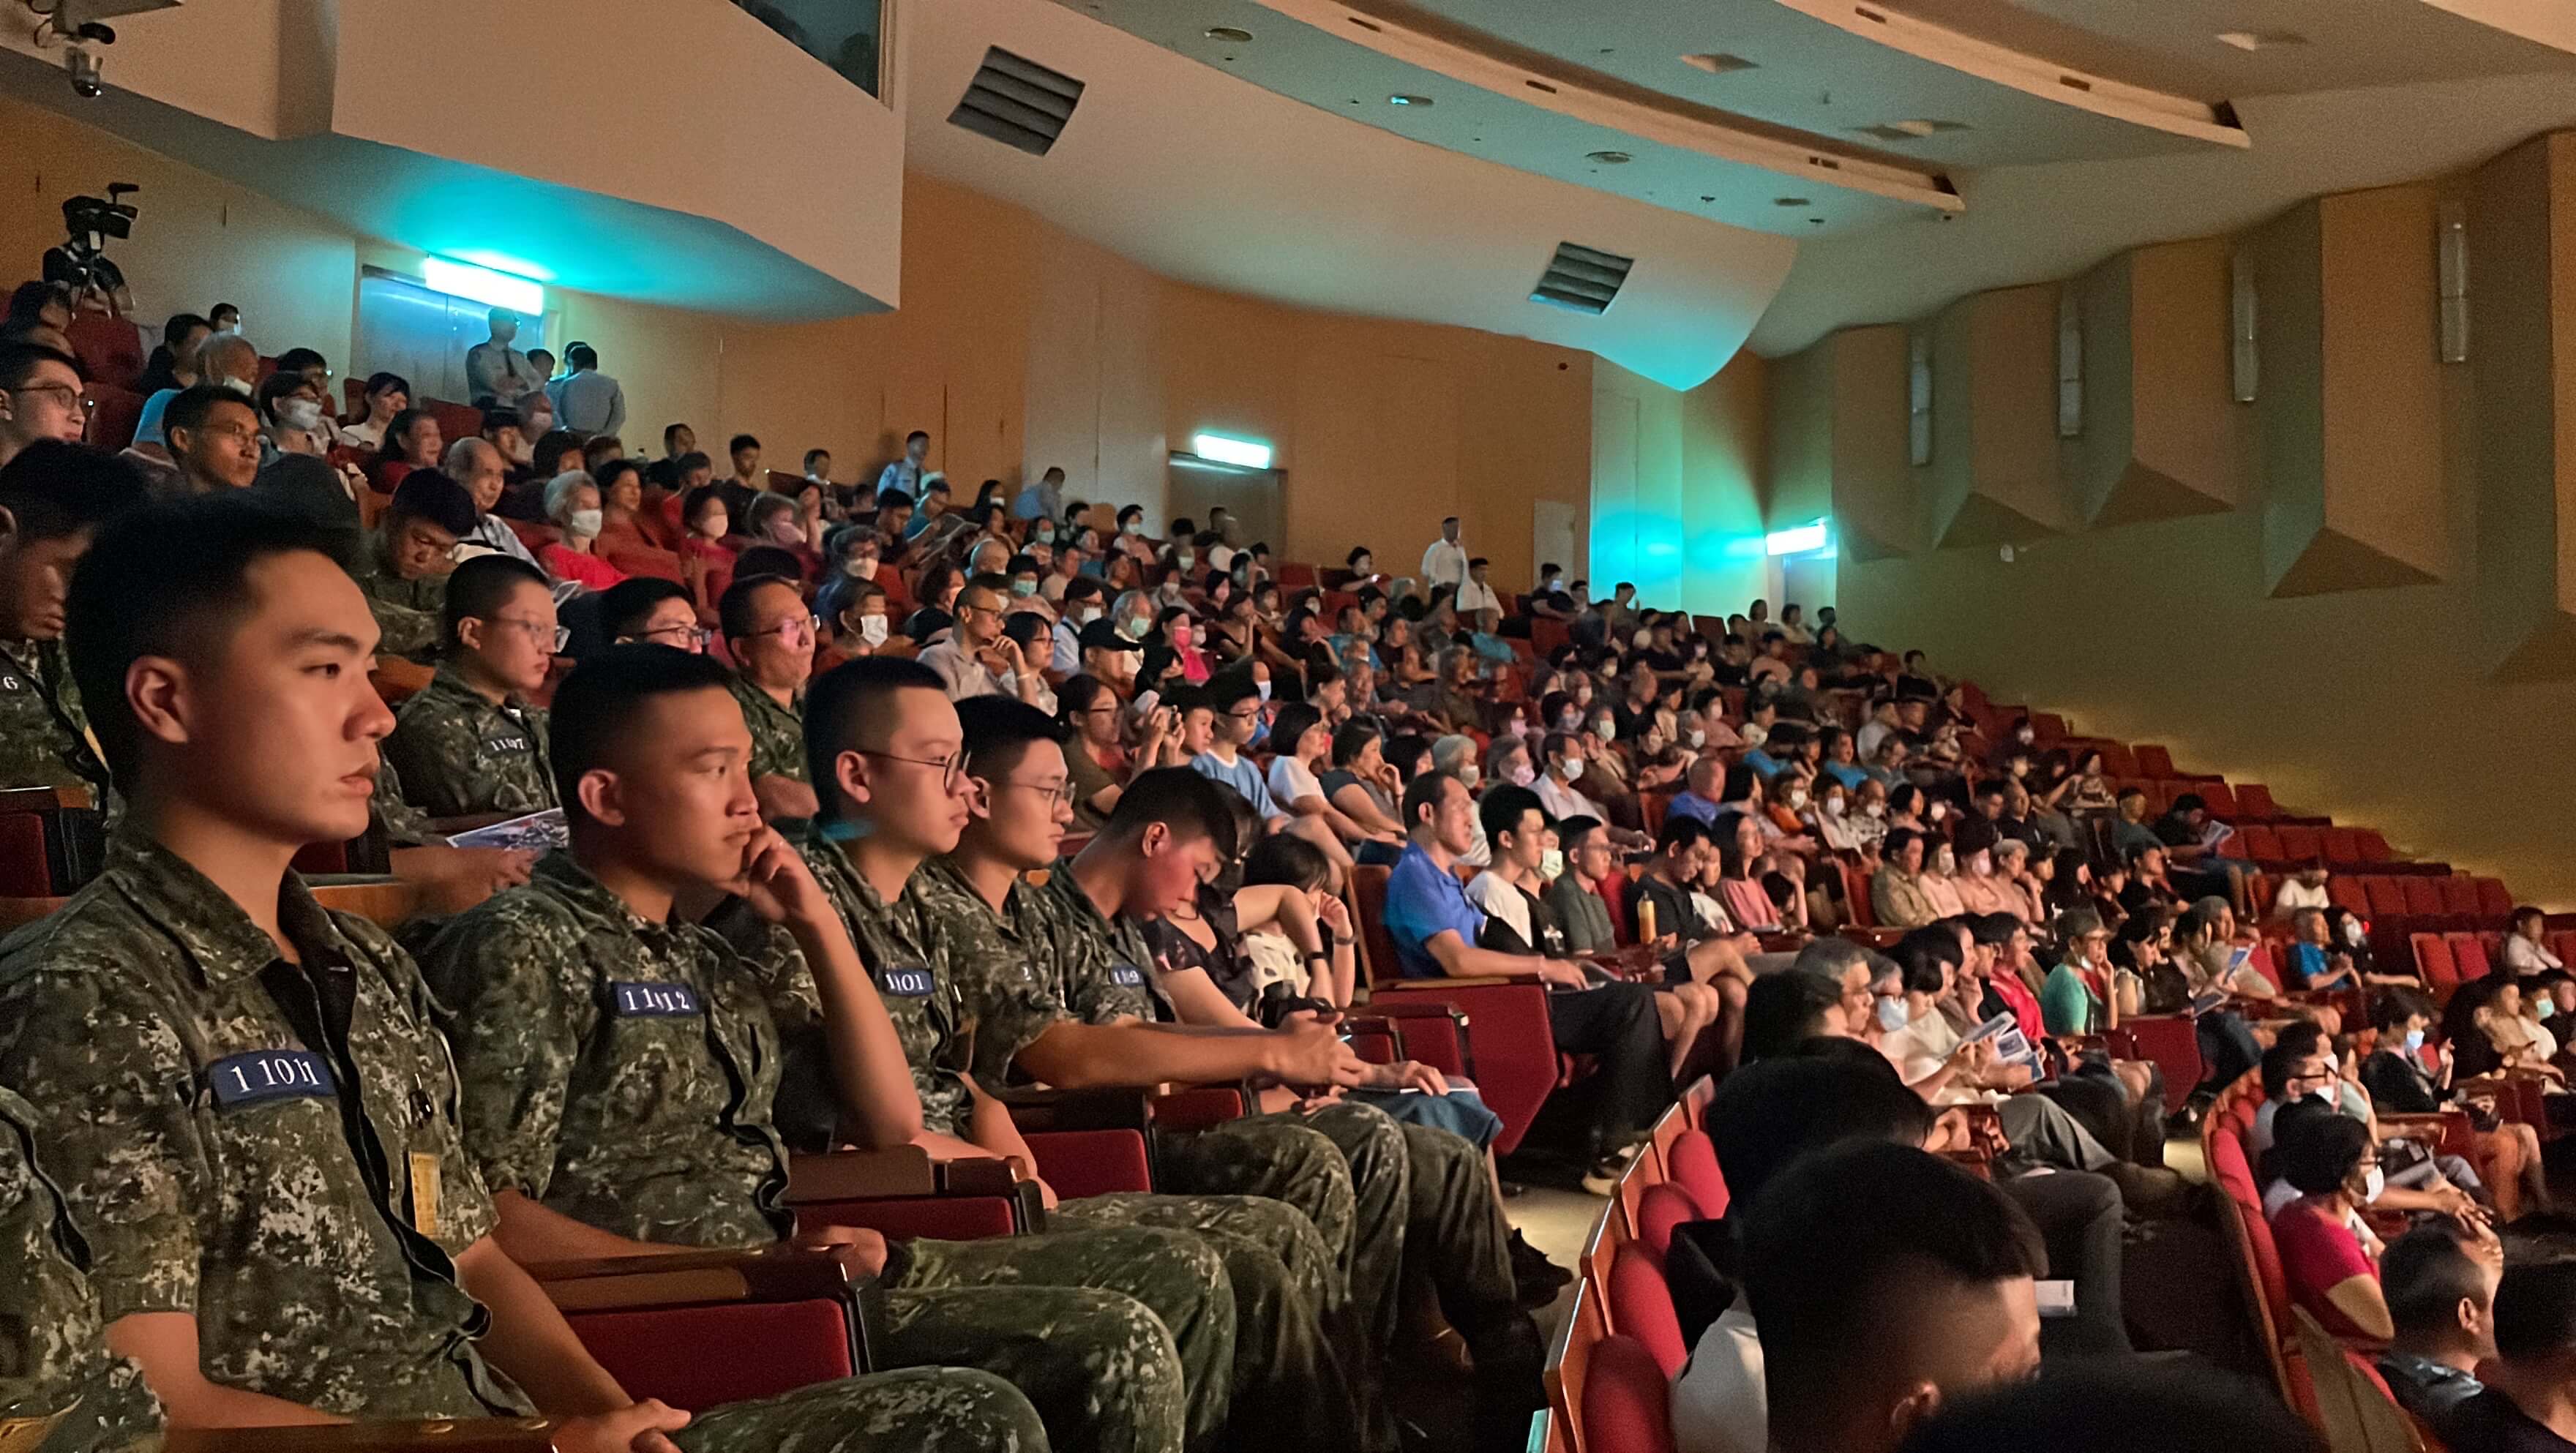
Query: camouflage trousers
[(1124, 1338), (919, 1410), (1346, 1167), (1291, 1391)]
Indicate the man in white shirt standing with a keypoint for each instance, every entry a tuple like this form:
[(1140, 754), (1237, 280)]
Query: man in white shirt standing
[(1445, 563), (905, 473), (494, 369)]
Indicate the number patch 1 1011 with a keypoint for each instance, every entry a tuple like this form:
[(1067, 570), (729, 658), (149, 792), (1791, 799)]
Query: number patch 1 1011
[(256, 1078)]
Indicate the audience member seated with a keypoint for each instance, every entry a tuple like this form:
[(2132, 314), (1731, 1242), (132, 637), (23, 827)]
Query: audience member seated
[(2525, 1405), (408, 560), (770, 636), (2439, 1281), (2330, 1162), (54, 497), (469, 744)]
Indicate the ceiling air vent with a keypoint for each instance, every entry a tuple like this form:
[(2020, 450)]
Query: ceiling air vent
[(1017, 102), (1581, 279)]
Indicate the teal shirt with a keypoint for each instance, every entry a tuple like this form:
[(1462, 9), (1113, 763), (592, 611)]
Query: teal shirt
[(2066, 1005)]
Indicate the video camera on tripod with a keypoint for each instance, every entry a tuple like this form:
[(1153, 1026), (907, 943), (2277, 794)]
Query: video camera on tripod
[(81, 263)]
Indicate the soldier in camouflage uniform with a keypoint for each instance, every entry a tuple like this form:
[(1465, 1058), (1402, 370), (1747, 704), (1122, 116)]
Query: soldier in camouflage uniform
[(54, 496), (54, 1366), (771, 635), (256, 1132), (405, 571), (908, 810), (622, 1068), (468, 743), (1423, 1193)]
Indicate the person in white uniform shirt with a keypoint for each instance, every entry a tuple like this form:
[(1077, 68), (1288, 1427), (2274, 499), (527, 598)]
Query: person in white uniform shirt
[(1476, 597), (1445, 563)]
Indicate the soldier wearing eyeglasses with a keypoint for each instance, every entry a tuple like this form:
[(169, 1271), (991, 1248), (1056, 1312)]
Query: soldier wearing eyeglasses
[(469, 744), (771, 635), (40, 397)]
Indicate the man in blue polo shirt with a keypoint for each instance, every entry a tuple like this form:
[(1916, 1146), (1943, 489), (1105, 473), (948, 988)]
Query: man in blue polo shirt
[(1707, 778), (1435, 930)]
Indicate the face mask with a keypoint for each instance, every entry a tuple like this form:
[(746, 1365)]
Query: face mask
[(584, 522), (1797, 798), (1982, 866), (1891, 1014), (2543, 1009), (862, 567), (1945, 864), (1876, 809), (1551, 864), (1262, 690), (2372, 1185), (1523, 775), (1940, 810), (1606, 727), (1833, 807), (786, 533), (1024, 587), (1568, 770), (1085, 615), (1567, 721), (1180, 637), (1138, 626), (1698, 738), (2414, 1041), (236, 385), (2324, 1095), (1043, 534), (1185, 560), (1516, 728), (1131, 662), (872, 629), (1131, 528), (302, 414), (1469, 774)]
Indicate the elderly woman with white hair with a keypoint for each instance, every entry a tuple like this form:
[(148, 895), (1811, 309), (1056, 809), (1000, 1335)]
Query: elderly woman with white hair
[(572, 503)]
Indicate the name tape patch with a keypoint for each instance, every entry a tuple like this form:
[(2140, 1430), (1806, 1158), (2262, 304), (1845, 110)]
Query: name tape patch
[(243, 1080), (654, 1001), (1127, 976), (505, 744), (909, 983)]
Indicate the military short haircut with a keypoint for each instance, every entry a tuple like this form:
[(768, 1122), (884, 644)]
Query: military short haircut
[(53, 489), (426, 494), (736, 614), (168, 579), (595, 706), (999, 732), (1503, 809), (197, 403), (1425, 790), (850, 707), (18, 362), (625, 606), (1191, 805), (482, 586)]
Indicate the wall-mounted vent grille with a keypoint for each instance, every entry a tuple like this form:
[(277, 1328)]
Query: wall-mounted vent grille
[(1017, 102), (1582, 279)]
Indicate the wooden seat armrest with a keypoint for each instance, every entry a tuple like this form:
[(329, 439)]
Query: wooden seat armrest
[(434, 1435), (761, 1274), (1106, 1107), (903, 1170), (1409, 1009), (46, 799), (1367, 1024), (1448, 985)]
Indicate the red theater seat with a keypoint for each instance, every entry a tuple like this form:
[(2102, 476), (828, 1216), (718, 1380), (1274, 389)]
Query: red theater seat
[(2155, 761), (2422, 896), (1641, 1306), (2372, 846), (1692, 1165), (2300, 844), (2470, 953), (114, 414), (110, 349), (1514, 1048), (2254, 800), (2388, 897), (1662, 1208), (784, 1319), (2434, 963)]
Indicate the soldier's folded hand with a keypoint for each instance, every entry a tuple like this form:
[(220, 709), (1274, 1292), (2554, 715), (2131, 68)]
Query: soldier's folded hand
[(636, 1429)]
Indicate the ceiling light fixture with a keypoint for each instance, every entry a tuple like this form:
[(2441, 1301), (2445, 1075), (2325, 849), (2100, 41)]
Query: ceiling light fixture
[(1408, 100), (1230, 34), (2251, 40), (1718, 63), (1608, 158), (1790, 202)]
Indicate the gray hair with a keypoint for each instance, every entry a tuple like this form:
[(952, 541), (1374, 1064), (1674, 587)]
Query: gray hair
[(1833, 956), (559, 491), (462, 454), (1451, 752)]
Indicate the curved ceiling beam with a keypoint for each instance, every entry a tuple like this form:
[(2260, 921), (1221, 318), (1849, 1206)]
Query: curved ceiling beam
[(1567, 94), (2031, 75)]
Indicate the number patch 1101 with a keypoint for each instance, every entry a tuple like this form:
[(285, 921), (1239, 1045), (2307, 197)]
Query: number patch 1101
[(256, 1078)]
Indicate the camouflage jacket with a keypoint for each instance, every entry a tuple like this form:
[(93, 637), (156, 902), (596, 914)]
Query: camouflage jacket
[(1048, 956), (457, 753), (405, 826), (777, 732), (618, 1071), (53, 1363), (44, 735), (915, 978), (406, 611), (271, 1147)]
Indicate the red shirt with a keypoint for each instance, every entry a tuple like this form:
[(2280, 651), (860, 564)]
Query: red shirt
[(2319, 1254), (2018, 998), (569, 564)]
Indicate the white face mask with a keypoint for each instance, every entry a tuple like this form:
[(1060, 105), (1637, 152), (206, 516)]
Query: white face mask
[(1945, 863), (1570, 769), (1469, 774), (1551, 864), (860, 567), (1797, 798), (1261, 689), (302, 414), (1698, 738), (1087, 614), (872, 629), (1876, 809), (1606, 727), (1833, 807), (584, 523)]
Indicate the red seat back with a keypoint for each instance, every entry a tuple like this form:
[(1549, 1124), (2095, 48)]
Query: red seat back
[(2342, 845), (2254, 800), (2563, 944), (1627, 1406), (1615, 893), (1692, 1165), (2433, 961), (2493, 900), (2301, 844), (2348, 894), (2174, 1045), (24, 870), (2469, 954), (2259, 843), (2118, 760), (2388, 897), (2423, 896), (1368, 882), (2155, 761), (767, 1349), (2459, 895), (2222, 802), (2373, 847), (1641, 1306), (1091, 1162), (1662, 1208), (114, 414), (1856, 895), (110, 349)]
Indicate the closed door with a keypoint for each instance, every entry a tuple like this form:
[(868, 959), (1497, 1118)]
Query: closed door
[(1552, 540)]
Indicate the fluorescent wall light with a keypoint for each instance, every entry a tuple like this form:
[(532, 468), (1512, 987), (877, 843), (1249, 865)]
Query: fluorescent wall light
[(483, 285), (1796, 540), (1249, 453)]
